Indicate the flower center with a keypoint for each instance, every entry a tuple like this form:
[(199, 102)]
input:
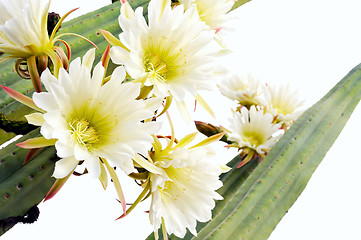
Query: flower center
[(155, 67), (254, 138), (83, 133), (283, 108), (177, 186)]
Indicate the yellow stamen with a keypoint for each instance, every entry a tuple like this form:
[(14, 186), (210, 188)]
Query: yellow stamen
[(83, 132), (157, 69), (180, 178), (254, 138), (283, 108)]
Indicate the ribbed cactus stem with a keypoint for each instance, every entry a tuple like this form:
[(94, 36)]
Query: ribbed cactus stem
[(252, 209)]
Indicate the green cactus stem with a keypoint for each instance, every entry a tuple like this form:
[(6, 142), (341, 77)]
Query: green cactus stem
[(254, 207), (30, 217), (23, 186)]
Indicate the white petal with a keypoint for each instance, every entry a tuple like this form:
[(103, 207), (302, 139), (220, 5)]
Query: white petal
[(127, 11), (45, 101), (93, 166), (80, 152), (74, 67), (88, 58), (64, 166), (55, 119), (97, 77), (63, 150), (47, 78), (153, 103), (118, 75), (46, 130), (119, 55)]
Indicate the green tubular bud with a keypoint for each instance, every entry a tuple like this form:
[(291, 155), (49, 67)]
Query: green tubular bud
[(210, 130)]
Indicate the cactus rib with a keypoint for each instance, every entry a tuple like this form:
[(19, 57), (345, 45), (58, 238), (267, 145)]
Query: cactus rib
[(270, 191), (253, 209), (26, 186)]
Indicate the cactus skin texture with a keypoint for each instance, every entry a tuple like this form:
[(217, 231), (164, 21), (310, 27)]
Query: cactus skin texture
[(22, 187), (27, 184), (253, 209)]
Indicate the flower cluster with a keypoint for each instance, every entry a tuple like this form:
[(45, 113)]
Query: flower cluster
[(263, 115), (107, 121), (110, 121)]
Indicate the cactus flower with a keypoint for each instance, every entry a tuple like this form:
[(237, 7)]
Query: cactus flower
[(213, 12), (92, 121), (24, 36), (254, 132), (282, 103), (243, 89), (186, 193), (182, 182), (172, 53), (23, 27)]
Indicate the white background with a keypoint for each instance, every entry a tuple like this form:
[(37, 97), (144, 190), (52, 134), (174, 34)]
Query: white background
[(312, 44)]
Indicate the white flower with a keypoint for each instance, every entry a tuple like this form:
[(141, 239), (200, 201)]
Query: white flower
[(172, 53), (244, 89), (282, 103), (182, 182), (213, 12), (92, 121), (186, 192), (23, 27), (253, 130)]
